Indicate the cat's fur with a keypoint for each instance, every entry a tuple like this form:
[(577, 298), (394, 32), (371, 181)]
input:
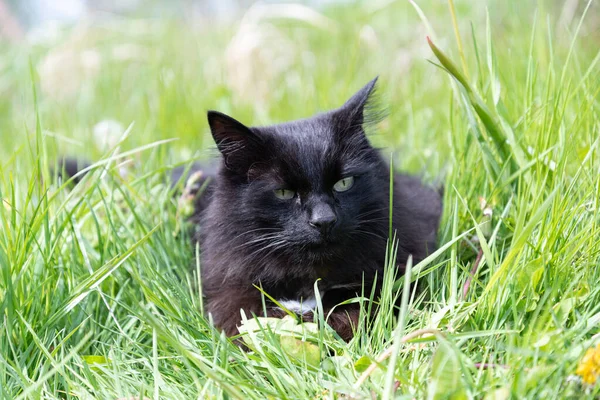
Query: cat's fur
[(251, 238)]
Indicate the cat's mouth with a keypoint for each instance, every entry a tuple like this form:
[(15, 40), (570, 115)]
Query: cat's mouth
[(322, 245), (318, 245)]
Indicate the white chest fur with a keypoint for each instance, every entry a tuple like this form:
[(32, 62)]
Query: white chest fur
[(299, 306)]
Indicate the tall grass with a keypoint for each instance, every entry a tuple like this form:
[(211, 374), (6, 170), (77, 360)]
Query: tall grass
[(99, 284)]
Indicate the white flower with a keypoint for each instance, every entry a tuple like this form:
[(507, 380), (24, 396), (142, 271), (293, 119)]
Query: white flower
[(107, 134)]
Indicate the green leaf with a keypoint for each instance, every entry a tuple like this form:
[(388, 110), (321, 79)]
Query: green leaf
[(362, 364), (563, 309), (92, 359), (446, 374), (95, 361), (301, 351)]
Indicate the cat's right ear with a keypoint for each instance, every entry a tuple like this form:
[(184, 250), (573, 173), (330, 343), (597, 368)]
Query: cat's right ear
[(237, 143), (354, 109)]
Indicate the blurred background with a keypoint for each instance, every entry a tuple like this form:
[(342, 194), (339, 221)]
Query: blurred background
[(100, 65)]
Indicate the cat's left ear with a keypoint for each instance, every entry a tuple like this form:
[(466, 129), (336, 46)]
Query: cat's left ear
[(354, 109)]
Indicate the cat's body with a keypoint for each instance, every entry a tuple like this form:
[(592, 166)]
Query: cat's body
[(251, 238)]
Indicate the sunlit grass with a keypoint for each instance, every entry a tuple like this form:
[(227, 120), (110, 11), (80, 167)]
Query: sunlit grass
[(98, 284)]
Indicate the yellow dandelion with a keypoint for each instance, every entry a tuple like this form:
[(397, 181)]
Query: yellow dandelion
[(589, 366)]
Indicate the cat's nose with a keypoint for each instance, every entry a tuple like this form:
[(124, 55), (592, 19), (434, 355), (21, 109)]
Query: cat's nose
[(322, 218)]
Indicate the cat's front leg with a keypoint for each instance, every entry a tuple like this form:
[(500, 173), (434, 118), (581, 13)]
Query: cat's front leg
[(343, 319)]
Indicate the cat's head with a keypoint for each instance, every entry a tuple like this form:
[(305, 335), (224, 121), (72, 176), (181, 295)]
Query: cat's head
[(311, 186)]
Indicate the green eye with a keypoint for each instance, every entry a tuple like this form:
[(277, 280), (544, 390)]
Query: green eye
[(284, 194), (344, 184)]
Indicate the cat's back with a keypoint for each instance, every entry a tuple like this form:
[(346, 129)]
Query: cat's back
[(417, 212)]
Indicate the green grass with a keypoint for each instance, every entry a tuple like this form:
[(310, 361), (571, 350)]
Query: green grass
[(98, 286)]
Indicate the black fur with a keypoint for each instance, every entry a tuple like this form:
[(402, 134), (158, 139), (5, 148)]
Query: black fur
[(70, 168)]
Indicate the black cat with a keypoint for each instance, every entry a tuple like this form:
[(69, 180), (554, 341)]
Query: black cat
[(302, 201)]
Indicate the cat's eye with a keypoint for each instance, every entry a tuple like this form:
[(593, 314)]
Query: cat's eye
[(344, 184), (284, 194)]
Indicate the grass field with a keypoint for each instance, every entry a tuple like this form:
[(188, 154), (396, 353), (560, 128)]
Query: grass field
[(98, 284)]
